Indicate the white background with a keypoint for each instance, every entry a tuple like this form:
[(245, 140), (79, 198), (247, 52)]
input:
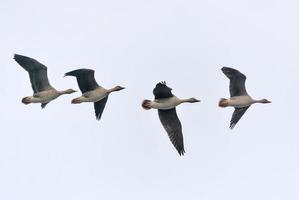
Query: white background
[(63, 153)]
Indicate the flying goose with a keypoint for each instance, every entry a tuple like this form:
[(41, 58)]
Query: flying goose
[(239, 99), (166, 102), (91, 91), (43, 92)]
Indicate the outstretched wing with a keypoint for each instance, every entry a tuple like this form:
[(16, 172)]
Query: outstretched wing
[(173, 127), (237, 81), (238, 113), (43, 105), (99, 107), (37, 73), (85, 79), (162, 91)]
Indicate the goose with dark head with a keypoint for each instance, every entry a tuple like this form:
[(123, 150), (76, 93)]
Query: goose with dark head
[(91, 91), (239, 98), (165, 102), (43, 92)]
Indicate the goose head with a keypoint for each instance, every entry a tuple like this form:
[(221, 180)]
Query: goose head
[(70, 91), (190, 100), (118, 88), (193, 100), (264, 101)]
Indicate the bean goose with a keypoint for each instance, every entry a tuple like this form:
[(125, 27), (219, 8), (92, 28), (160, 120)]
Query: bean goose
[(91, 91), (239, 99), (43, 92), (166, 104)]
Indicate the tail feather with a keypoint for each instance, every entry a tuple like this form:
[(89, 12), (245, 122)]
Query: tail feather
[(146, 104), (26, 100), (223, 103), (76, 100)]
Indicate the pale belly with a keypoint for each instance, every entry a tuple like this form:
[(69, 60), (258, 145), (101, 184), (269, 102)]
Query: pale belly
[(165, 103), (94, 95), (240, 101), (45, 96)]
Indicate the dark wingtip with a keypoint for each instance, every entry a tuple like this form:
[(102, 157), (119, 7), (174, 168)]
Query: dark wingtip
[(98, 117), (79, 72), (230, 69), (71, 73), (232, 126), (162, 83), (68, 74), (181, 152), (224, 68), (17, 56)]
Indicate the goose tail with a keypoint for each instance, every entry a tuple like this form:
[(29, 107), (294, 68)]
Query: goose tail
[(223, 103), (26, 100), (146, 104)]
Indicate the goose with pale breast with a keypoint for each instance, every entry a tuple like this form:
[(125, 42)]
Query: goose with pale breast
[(43, 92), (239, 99), (166, 104), (91, 91)]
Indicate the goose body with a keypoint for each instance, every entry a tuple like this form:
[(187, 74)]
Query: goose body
[(165, 102), (91, 91), (94, 95), (45, 96), (43, 92), (239, 99)]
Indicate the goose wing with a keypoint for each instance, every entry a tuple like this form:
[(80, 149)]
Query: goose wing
[(85, 79), (238, 113), (37, 73), (99, 107), (162, 91), (173, 127), (237, 81)]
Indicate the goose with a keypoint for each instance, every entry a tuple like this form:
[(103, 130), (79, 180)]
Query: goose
[(166, 104), (239, 98), (91, 91), (43, 92)]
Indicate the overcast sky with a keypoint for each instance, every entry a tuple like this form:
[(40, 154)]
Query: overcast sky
[(63, 153)]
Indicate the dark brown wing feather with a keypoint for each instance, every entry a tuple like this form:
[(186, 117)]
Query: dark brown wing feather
[(238, 113), (162, 91), (237, 81), (85, 79), (173, 127), (37, 73), (99, 107)]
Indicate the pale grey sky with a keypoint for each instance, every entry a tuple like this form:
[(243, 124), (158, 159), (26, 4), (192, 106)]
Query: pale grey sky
[(63, 153)]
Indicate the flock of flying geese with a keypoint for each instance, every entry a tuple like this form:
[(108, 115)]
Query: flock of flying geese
[(165, 102)]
